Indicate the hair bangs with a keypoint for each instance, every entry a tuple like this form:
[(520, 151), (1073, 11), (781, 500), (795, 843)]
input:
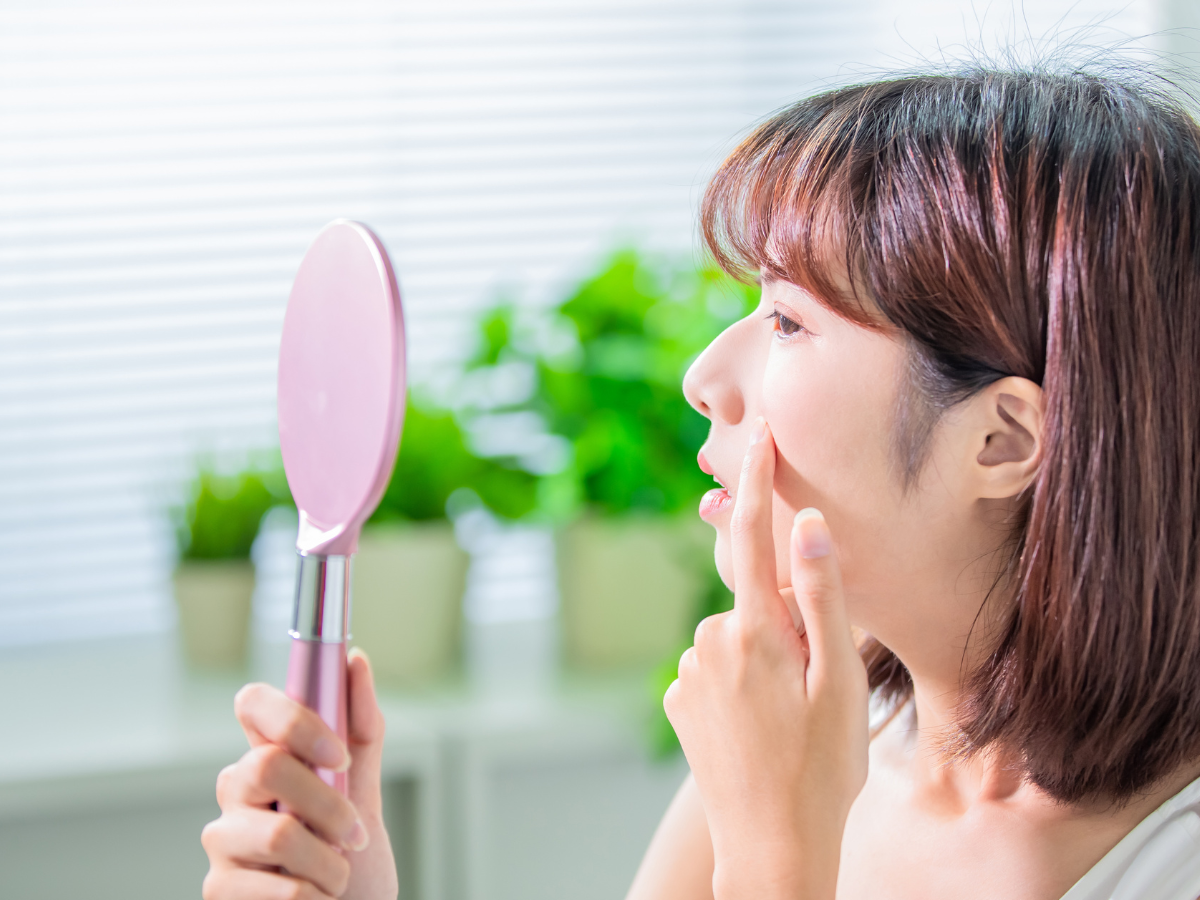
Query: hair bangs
[(781, 207)]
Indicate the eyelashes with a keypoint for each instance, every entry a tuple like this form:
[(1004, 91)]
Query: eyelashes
[(785, 327)]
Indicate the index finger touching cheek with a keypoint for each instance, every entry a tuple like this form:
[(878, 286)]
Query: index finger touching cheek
[(268, 713), (751, 529)]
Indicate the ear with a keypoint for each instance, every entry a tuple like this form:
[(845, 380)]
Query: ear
[(1009, 437)]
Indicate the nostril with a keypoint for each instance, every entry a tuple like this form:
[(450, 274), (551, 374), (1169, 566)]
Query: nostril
[(710, 386), (732, 405)]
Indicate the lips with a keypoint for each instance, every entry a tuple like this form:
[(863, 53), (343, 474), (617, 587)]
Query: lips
[(713, 503), (716, 501)]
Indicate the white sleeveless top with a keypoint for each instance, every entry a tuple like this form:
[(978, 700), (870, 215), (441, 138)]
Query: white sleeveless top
[(1158, 860)]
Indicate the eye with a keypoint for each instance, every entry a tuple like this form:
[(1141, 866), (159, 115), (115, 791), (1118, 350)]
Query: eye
[(784, 326)]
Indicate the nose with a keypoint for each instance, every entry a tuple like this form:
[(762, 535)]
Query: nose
[(711, 383)]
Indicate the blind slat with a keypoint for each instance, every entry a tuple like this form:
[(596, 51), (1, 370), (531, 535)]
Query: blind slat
[(163, 167)]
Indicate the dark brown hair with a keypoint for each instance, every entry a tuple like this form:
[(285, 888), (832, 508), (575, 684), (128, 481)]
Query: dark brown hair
[(1044, 225)]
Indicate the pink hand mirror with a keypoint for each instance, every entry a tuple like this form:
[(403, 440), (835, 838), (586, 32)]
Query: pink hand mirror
[(341, 409)]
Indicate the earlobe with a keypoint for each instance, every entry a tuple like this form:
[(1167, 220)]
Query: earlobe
[(1011, 437)]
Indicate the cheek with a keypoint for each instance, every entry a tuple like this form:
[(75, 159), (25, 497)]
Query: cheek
[(827, 433), (830, 418)]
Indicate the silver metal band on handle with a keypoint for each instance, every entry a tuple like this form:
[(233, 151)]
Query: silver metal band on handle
[(322, 610)]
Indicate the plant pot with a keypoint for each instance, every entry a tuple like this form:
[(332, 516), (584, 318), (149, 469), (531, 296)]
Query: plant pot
[(406, 610), (213, 598), (630, 587)]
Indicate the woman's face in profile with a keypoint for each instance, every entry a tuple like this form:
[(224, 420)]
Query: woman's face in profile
[(828, 389)]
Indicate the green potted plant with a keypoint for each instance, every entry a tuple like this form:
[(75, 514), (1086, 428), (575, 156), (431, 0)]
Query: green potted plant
[(409, 573), (214, 578), (635, 562)]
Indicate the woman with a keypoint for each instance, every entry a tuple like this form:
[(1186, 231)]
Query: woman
[(977, 354)]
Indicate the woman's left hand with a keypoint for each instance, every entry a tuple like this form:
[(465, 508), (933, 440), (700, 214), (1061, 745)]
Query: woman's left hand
[(773, 718)]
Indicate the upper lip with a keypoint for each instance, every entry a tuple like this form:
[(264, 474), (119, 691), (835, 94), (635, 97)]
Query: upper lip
[(707, 468)]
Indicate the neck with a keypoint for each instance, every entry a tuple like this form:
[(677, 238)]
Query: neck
[(931, 725), (956, 783), (967, 603)]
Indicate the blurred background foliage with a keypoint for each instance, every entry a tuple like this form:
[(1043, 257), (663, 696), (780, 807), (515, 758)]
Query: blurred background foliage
[(612, 389), (608, 369), (434, 462), (222, 514)]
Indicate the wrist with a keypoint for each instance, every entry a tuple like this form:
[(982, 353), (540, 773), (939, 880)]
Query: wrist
[(774, 885), (778, 870)]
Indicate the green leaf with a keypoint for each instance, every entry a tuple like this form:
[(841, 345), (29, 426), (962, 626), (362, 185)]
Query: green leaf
[(641, 323), (223, 515), (434, 462)]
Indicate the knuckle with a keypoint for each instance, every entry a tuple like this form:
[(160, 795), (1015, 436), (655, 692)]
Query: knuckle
[(281, 836), (225, 781), (295, 889), (687, 662), (265, 763), (748, 632), (210, 837), (295, 724), (743, 647), (671, 701), (211, 887), (248, 698), (710, 628), (818, 591)]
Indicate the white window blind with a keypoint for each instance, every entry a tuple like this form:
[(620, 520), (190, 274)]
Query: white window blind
[(163, 166)]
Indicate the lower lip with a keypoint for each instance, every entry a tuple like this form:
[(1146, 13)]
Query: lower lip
[(714, 503)]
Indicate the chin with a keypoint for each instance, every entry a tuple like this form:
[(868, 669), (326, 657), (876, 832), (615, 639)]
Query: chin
[(724, 558)]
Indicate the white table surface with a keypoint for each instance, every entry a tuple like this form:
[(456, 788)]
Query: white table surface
[(94, 727), (92, 722)]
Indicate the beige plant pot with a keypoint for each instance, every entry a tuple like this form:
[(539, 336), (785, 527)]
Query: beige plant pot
[(406, 607), (213, 598), (630, 587)]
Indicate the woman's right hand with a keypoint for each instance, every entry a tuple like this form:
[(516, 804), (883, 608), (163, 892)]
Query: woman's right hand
[(327, 845)]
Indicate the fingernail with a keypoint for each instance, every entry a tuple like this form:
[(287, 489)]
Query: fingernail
[(812, 534), (330, 754), (759, 431), (356, 838)]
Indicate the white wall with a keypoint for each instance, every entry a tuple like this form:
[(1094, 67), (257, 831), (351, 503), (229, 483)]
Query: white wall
[(164, 164)]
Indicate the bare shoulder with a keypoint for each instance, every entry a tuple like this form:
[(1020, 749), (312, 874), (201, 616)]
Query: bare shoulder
[(932, 834), (678, 864)]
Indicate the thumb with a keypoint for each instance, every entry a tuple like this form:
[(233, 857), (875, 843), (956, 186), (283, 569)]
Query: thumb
[(366, 729), (817, 583)]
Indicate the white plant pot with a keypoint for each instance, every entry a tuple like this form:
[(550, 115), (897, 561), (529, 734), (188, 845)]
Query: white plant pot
[(406, 607), (630, 587), (213, 598)]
